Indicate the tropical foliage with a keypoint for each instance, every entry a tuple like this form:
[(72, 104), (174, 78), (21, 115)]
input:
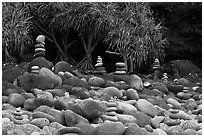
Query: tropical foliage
[(128, 28), (16, 26)]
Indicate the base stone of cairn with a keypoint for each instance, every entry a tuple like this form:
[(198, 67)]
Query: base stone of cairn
[(120, 68)]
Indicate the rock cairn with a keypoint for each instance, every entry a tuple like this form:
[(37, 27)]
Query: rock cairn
[(35, 69), (99, 65), (156, 67), (39, 47), (165, 77), (120, 68)]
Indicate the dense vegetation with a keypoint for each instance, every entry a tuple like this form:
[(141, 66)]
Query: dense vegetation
[(74, 30)]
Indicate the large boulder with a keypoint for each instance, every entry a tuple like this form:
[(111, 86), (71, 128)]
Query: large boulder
[(46, 79), (88, 108), (40, 62), (62, 66), (11, 74)]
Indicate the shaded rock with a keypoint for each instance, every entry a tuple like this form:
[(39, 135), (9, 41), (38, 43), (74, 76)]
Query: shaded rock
[(24, 66), (40, 62), (148, 128), (56, 125), (63, 67), (58, 115), (73, 119), (30, 104), (5, 99), (134, 129), (67, 130), (123, 107), (174, 88), (112, 91), (39, 114), (56, 92), (96, 81), (175, 130), (142, 118), (11, 74), (190, 104), (88, 108), (16, 100), (8, 88), (125, 119), (155, 122), (80, 92), (160, 86), (86, 128), (37, 91), (76, 82), (40, 122), (158, 101), (136, 82), (67, 88), (146, 107), (45, 98), (183, 81), (110, 128), (183, 95), (131, 94)]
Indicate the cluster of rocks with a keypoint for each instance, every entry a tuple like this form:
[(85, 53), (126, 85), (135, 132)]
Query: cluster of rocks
[(61, 101)]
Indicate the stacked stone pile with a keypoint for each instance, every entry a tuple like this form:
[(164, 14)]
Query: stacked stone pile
[(99, 65), (120, 68)]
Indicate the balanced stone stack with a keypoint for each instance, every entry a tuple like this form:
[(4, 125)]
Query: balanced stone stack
[(165, 77), (110, 114), (120, 68), (35, 69), (99, 65), (39, 47), (156, 67)]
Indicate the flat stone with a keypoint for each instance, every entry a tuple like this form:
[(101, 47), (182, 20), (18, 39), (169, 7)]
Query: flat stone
[(56, 92), (123, 107), (180, 115), (110, 128), (172, 122), (146, 107), (125, 119), (96, 81), (30, 104), (39, 114)]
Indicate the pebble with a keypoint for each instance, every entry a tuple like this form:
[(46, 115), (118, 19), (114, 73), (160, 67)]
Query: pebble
[(189, 132), (39, 114), (125, 119), (112, 91), (16, 100), (87, 129), (172, 122), (134, 129), (159, 131), (131, 94), (146, 107), (148, 128), (136, 82), (96, 81), (175, 130), (180, 115)]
